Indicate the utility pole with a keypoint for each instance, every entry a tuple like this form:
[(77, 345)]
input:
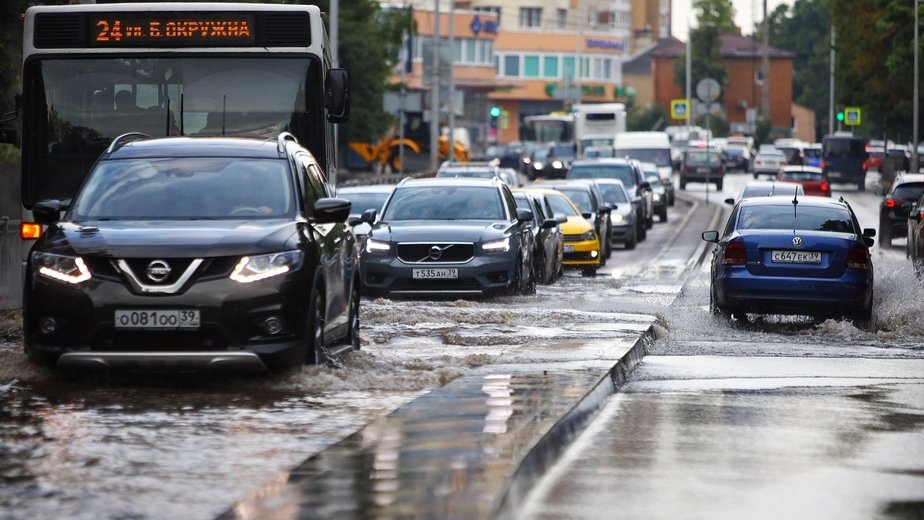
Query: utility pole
[(689, 77), (831, 85), (765, 67), (914, 131), (452, 81), (435, 92)]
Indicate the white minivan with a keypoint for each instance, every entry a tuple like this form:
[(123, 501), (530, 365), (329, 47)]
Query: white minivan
[(652, 147)]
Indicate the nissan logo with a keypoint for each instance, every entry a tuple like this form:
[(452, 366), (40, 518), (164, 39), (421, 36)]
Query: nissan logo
[(436, 253), (158, 270), (797, 242)]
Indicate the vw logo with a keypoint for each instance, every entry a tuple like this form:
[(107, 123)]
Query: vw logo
[(797, 242), (436, 253), (158, 270)]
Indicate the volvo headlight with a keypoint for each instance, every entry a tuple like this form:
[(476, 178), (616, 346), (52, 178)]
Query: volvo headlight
[(497, 246), (68, 269), (558, 165), (377, 247), (616, 218), (253, 268)]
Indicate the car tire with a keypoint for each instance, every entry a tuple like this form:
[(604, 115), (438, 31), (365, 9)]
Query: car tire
[(861, 186), (530, 287), (662, 215), (353, 337), (589, 272), (642, 232), (649, 222), (885, 233), (683, 184), (630, 242), (316, 352), (715, 309)]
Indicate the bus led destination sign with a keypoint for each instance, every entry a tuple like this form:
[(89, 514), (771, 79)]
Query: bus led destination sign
[(171, 29)]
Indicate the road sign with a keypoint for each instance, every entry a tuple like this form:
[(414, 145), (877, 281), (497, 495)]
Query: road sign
[(680, 108), (708, 90), (852, 116)]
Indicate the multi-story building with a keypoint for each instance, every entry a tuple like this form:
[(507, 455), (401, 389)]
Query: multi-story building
[(534, 56)]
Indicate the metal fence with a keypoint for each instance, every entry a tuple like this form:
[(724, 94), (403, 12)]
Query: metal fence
[(12, 251)]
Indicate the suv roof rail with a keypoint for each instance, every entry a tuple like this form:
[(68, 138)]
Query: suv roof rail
[(124, 139), (281, 141)]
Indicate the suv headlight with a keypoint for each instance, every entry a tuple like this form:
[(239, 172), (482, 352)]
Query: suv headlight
[(377, 247), (253, 268), (558, 165), (68, 269), (616, 218), (497, 246)]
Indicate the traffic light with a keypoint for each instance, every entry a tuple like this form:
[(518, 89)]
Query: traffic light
[(840, 116), (494, 112)]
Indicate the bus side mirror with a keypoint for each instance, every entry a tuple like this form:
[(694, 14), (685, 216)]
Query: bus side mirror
[(337, 85)]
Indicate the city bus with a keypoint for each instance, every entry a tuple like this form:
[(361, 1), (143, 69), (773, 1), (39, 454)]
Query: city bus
[(94, 72)]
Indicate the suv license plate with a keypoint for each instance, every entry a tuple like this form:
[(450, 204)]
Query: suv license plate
[(161, 319), (430, 274), (796, 257), (834, 175)]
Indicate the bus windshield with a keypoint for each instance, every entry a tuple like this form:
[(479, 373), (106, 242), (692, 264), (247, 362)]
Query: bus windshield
[(81, 104)]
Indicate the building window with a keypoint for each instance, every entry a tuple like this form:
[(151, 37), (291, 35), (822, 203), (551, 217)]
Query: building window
[(562, 19), (551, 66), (568, 67), (457, 52), (470, 55), (512, 65), (487, 51), (530, 17), (531, 66), (489, 10)]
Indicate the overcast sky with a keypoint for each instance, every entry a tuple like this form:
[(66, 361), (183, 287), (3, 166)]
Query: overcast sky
[(743, 14)]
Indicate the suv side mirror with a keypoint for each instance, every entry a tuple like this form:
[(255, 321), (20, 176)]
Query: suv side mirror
[(711, 236), (48, 211), (369, 215), (869, 232), (524, 215), (331, 210), (337, 95)]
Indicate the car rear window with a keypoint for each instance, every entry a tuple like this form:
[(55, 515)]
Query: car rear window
[(802, 176), (798, 217), (613, 193), (622, 172), (908, 191), (444, 203)]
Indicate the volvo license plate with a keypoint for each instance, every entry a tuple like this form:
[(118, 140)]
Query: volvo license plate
[(163, 319), (436, 274), (796, 257)]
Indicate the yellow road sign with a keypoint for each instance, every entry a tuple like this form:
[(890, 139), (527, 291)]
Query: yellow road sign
[(680, 108), (852, 116)]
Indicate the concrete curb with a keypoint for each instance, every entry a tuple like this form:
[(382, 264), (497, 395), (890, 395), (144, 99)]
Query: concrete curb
[(546, 452)]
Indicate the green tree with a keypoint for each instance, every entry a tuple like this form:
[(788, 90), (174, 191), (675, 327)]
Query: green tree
[(875, 63), (714, 18), (804, 31), (651, 117)]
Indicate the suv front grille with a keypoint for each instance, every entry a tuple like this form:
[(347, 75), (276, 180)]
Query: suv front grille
[(436, 252)]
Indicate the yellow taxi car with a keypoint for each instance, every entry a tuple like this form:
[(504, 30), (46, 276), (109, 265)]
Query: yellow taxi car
[(581, 242)]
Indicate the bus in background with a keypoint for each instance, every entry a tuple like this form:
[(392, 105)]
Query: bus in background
[(94, 72), (596, 124), (548, 128), (843, 158)]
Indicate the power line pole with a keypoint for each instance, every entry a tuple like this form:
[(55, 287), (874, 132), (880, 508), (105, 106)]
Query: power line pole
[(831, 85), (914, 131), (765, 67), (435, 92)]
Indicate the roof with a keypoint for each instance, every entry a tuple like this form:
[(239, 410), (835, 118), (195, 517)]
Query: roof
[(733, 47), (197, 147), (602, 161), (641, 63), (808, 200), (368, 188), (450, 181)]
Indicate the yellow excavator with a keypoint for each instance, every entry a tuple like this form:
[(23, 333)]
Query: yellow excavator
[(385, 154)]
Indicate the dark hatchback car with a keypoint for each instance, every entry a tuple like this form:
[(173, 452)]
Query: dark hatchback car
[(701, 165), (455, 235), (895, 207), (804, 256), (548, 247), (194, 254)]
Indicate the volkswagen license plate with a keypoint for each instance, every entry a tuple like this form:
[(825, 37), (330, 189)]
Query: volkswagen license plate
[(796, 257), (439, 274), (163, 319), (569, 249)]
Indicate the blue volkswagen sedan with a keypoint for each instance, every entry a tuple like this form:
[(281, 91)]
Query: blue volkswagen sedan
[(803, 256)]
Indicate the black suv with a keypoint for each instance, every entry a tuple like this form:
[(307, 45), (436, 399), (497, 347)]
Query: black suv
[(194, 254), (896, 206), (452, 235)]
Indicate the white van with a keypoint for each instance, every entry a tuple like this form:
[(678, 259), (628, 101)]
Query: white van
[(652, 147)]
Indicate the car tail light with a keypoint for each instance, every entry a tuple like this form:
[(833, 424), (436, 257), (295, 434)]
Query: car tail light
[(735, 254), (825, 187), (864, 166), (824, 165), (890, 202), (857, 258)]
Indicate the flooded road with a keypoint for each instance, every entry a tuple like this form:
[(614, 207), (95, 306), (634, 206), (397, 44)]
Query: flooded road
[(772, 417), (159, 446)]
